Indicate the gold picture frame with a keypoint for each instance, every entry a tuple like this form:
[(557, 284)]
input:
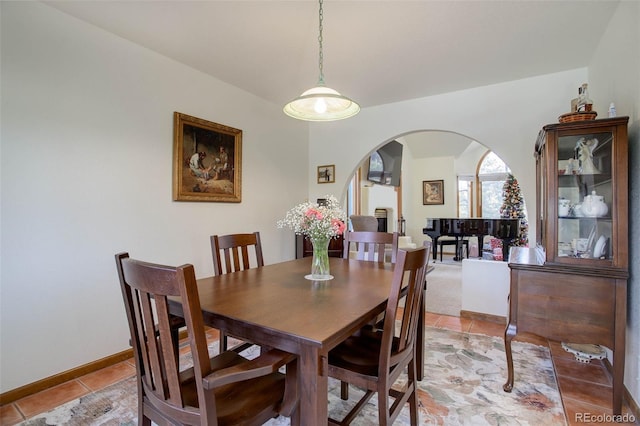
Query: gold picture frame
[(326, 174), (432, 192), (207, 160)]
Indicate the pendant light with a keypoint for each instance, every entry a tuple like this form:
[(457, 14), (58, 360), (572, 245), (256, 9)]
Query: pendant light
[(321, 103)]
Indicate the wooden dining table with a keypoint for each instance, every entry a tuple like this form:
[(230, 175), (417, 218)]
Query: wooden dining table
[(276, 306)]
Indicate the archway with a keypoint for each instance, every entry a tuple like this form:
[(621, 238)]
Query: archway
[(428, 155)]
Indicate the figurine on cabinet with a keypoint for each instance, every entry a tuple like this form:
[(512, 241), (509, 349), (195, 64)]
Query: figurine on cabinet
[(585, 155)]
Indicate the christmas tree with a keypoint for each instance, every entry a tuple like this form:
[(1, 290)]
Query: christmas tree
[(513, 208)]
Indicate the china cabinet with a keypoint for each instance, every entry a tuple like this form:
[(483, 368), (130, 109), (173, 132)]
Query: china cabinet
[(573, 286), (582, 192)]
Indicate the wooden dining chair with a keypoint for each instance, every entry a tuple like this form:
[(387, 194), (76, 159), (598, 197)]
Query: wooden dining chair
[(233, 253), (235, 250), (223, 390), (370, 246), (373, 359)]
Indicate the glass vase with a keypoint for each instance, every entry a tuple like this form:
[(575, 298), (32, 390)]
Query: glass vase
[(320, 263)]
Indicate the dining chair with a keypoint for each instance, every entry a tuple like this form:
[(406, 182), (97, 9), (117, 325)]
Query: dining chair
[(234, 249), (374, 359), (223, 390), (364, 223), (231, 253), (370, 246)]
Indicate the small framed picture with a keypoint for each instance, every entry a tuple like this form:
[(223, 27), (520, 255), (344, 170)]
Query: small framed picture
[(327, 174), (432, 192)]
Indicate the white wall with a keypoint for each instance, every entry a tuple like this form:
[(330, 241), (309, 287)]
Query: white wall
[(431, 168), (87, 140), (614, 76), (467, 163), (376, 196), (485, 287)]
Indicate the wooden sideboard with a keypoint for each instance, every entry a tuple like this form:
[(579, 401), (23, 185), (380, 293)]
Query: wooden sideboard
[(304, 247), (568, 304)]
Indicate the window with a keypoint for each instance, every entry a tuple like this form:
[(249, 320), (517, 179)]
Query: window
[(490, 177), (492, 174), (465, 196)]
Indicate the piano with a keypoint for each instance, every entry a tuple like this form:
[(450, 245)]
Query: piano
[(505, 229)]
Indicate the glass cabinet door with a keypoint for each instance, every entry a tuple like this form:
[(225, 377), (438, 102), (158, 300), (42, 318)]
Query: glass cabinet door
[(585, 195)]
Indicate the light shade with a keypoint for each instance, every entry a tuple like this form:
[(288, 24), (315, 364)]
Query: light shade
[(321, 103)]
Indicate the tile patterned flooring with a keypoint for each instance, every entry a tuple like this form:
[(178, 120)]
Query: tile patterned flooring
[(585, 388)]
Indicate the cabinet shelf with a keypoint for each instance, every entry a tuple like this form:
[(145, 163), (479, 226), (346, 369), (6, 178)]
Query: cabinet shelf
[(580, 180), (585, 218)]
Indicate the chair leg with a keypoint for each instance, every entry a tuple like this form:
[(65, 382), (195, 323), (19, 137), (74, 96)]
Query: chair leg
[(223, 342), (383, 408), (344, 390), (413, 399)]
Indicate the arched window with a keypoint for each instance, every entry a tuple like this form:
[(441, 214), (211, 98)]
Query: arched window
[(491, 174)]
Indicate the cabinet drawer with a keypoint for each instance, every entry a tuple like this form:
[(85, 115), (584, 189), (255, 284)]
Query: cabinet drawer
[(564, 307)]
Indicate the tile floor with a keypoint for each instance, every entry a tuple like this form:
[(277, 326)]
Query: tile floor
[(585, 388)]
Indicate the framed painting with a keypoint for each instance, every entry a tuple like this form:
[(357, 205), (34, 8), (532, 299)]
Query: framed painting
[(432, 192), (207, 160), (327, 174)]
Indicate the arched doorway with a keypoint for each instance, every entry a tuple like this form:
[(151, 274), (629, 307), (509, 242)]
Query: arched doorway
[(428, 155)]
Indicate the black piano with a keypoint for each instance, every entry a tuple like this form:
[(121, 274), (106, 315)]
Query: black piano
[(505, 229)]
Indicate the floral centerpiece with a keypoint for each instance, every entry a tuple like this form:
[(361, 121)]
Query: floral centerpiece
[(320, 222)]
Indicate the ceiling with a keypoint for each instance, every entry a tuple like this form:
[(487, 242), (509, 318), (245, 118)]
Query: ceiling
[(435, 143), (375, 52)]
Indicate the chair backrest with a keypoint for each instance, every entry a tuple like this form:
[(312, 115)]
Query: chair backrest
[(410, 271), (364, 223), (370, 246), (234, 248), (145, 290)]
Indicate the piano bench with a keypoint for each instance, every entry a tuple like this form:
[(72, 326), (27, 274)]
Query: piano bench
[(465, 242)]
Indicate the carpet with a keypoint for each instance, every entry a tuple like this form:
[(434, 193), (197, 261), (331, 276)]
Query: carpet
[(444, 288), (463, 386)]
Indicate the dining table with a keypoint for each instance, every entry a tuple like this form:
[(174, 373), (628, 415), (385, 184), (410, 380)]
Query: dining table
[(276, 306)]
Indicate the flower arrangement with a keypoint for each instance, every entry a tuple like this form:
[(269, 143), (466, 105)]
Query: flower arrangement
[(317, 221)]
